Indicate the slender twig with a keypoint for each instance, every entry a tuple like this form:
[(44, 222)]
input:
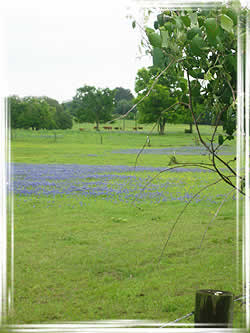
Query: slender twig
[(171, 106), (217, 122), (206, 146), (233, 92), (149, 91), (193, 115), (214, 217), (218, 171), (201, 114), (180, 214), (145, 144), (141, 150), (202, 165), (198, 164), (153, 178)]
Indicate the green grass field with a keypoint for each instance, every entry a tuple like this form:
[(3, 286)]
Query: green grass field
[(80, 258)]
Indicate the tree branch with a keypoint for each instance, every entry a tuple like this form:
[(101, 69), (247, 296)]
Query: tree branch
[(180, 214), (215, 215)]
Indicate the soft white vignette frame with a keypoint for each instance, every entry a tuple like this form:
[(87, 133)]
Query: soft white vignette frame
[(7, 291)]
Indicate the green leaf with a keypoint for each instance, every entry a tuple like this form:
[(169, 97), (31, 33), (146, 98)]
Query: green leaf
[(192, 32), (201, 21), (149, 30), (186, 20), (158, 57), (196, 45), (153, 37), (220, 140), (156, 25), (160, 19), (196, 73), (226, 23), (181, 36), (179, 23), (233, 61), (193, 18), (196, 92), (133, 24), (165, 38), (174, 47), (168, 27), (212, 30), (231, 13), (208, 76)]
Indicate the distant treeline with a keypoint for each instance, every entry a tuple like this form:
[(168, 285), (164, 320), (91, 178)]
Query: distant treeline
[(38, 113), (90, 104)]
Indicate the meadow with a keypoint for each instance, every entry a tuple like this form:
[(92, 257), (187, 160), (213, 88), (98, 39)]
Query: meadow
[(92, 213)]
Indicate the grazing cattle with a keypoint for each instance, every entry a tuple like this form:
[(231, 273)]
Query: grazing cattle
[(116, 128), (81, 129), (95, 127), (140, 127), (108, 127), (135, 128)]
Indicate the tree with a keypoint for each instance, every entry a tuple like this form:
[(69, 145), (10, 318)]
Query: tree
[(161, 105), (123, 94), (155, 108), (16, 107), (31, 112), (62, 117), (94, 105), (203, 44), (37, 114), (123, 106)]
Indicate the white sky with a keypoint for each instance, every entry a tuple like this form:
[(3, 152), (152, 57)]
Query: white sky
[(54, 47)]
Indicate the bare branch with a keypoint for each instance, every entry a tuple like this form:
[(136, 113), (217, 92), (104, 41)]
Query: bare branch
[(214, 217), (193, 115), (180, 214), (138, 155), (233, 92), (202, 165), (217, 123), (149, 91)]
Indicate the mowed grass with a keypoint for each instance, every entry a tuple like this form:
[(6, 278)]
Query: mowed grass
[(79, 259), (96, 148)]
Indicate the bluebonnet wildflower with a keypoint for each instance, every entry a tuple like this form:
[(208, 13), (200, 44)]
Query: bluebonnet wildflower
[(114, 183)]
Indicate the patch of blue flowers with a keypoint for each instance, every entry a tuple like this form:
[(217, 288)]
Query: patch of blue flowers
[(186, 150), (116, 183)]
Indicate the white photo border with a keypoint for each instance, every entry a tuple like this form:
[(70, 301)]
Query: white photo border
[(7, 291)]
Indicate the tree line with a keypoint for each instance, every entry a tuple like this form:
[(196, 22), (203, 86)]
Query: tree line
[(96, 105), (90, 104), (38, 113)]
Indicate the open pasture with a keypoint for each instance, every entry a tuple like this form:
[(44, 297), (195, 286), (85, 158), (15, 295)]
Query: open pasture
[(90, 228)]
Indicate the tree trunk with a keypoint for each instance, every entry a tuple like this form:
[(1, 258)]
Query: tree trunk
[(97, 125), (162, 123), (191, 127)]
